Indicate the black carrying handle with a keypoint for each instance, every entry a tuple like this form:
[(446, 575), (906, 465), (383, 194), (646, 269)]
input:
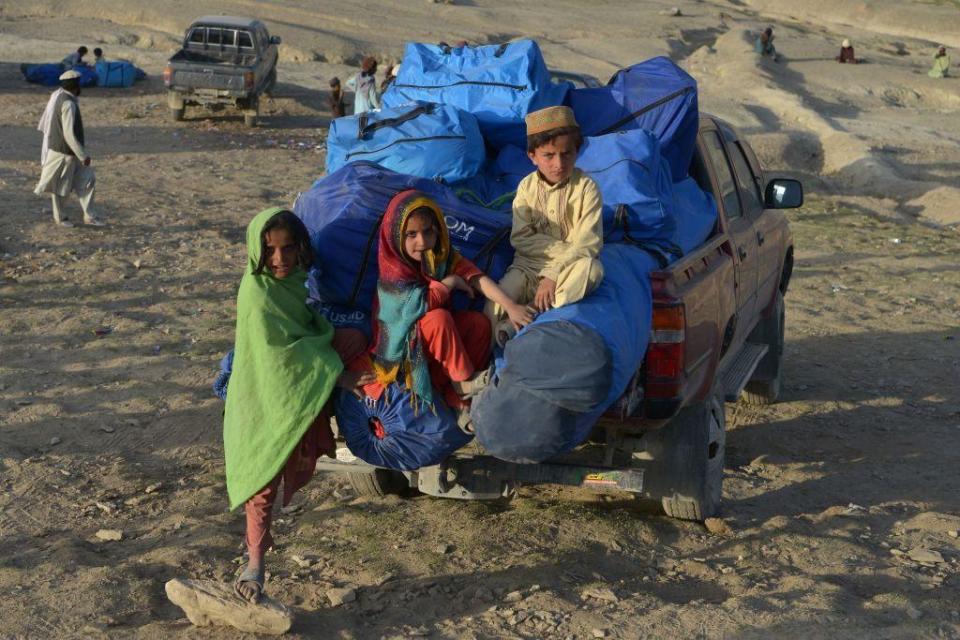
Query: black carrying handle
[(364, 129), (661, 253)]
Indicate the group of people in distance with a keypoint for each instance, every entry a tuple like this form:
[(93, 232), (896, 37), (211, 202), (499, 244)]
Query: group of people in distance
[(288, 359), (763, 46), (364, 85)]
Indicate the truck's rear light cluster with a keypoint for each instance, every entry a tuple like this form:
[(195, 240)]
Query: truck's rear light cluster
[(167, 76), (248, 80), (665, 353)]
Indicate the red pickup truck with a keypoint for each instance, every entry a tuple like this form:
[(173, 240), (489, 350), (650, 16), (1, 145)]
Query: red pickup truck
[(717, 336)]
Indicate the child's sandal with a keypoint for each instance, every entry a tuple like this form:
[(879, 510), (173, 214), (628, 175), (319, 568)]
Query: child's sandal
[(250, 575)]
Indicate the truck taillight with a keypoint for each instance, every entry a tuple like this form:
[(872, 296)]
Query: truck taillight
[(167, 76), (248, 80), (665, 354)]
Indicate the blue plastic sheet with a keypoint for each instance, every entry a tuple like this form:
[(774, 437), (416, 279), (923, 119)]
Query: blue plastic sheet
[(49, 74), (409, 440), (617, 315), (417, 139), (499, 84)]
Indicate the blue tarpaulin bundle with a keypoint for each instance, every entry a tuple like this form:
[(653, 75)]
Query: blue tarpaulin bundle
[(117, 73), (419, 139), (343, 211), (388, 433), (656, 95), (49, 74), (499, 84), (595, 346)]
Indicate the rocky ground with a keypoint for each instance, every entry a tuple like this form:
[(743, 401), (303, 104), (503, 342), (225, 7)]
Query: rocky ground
[(841, 503)]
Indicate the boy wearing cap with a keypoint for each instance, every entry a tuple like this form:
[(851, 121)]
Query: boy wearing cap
[(557, 224)]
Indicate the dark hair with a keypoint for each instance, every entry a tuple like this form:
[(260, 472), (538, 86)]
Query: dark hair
[(81, 50), (334, 81), (72, 85), (424, 211), (293, 225), (98, 51), (537, 140)]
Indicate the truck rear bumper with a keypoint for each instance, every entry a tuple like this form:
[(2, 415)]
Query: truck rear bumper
[(482, 477)]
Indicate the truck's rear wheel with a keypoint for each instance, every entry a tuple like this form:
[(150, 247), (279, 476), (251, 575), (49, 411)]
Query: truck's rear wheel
[(176, 114), (379, 483), (764, 386), (686, 475)]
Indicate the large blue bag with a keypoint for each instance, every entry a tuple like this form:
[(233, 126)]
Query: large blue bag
[(656, 95), (387, 432), (561, 372), (116, 73), (696, 214), (418, 139), (499, 84), (634, 180), (343, 211)]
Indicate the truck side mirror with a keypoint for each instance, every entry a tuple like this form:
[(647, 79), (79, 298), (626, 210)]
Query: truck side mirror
[(274, 39), (783, 193)]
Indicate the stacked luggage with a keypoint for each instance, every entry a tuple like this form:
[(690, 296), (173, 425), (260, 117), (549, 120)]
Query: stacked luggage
[(453, 127)]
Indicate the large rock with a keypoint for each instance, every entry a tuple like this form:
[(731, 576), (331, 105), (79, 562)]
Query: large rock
[(209, 602)]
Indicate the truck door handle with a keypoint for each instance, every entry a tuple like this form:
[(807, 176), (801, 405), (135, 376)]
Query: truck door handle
[(742, 253), (760, 238)]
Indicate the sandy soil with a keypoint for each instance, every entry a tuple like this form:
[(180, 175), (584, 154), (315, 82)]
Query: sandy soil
[(827, 493)]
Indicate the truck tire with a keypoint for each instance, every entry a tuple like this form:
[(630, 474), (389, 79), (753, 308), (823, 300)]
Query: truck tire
[(764, 386), (271, 82), (251, 109), (176, 114), (685, 478), (379, 483)]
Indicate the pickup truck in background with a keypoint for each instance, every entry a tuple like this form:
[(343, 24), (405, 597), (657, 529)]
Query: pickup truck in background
[(716, 337), (224, 60)]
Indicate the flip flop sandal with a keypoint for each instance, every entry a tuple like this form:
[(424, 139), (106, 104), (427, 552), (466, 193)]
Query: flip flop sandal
[(249, 575)]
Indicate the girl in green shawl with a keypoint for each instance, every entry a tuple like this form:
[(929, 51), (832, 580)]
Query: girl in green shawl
[(287, 361)]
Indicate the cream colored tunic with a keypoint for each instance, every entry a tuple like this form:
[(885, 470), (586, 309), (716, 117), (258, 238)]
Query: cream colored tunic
[(62, 173)]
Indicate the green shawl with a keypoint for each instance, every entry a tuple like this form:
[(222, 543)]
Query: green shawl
[(284, 370)]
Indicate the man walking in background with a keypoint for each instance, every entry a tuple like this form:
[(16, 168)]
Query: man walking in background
[(66, 164)]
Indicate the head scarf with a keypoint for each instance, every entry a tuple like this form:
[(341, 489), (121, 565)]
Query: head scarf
[(284, 370), (402, 296)]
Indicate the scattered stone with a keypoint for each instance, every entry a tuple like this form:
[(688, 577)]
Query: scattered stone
[(153, 487), (513, 596), (107, 429), (137, 263), (54, 441), (517, 618), (300, 561), (615, 546), (601, 593), (132, 502), (952, 534), (338, 597), (913, 613), (598, 633), (896, 552), (443, 548), (717, 527), (925, 555), (483, 594), (111, 535), (106, 507), (208, 602)]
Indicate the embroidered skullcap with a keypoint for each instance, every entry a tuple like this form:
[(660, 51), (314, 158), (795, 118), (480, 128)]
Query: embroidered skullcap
[(550, 118), (69, 75), (845, 44)]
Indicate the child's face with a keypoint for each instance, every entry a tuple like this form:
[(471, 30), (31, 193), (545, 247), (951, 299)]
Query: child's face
[(419, 235), (555, 160), (281, 253)]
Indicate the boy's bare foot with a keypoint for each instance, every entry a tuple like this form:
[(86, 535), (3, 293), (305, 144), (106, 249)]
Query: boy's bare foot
[(249, 584)]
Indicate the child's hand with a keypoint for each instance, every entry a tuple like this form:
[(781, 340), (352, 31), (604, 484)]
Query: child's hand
[(454, 282), (519, 315), (546, 294), (353, 380)]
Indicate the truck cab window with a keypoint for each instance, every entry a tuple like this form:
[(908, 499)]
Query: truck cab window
[(244, 41), (196, 36), (749, 189), (728, 187), (229, 38), (213, 36)]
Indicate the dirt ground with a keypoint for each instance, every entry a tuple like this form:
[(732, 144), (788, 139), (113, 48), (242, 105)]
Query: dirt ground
[(842, 499)]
